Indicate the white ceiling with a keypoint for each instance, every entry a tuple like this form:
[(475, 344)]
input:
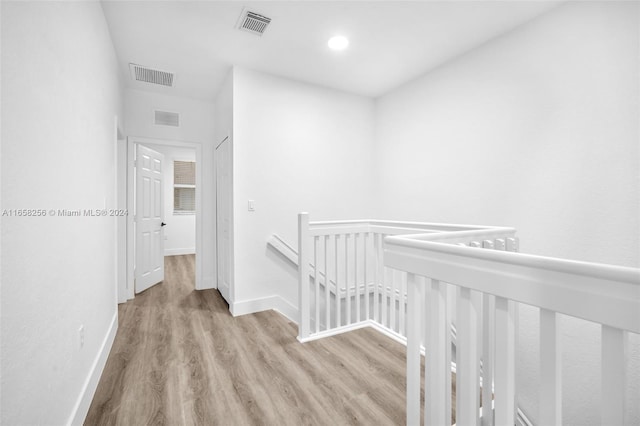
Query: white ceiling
[(391, 42)]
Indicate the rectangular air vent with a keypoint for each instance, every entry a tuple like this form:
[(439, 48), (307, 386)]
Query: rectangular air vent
[(165, 118), (150, 75), (253, 22)]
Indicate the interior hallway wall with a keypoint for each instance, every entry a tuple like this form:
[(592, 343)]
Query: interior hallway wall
[(296, 147), (196, 125), (60, 97), (537, 129)]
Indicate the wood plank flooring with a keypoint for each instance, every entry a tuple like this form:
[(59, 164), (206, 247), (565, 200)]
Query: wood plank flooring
[(180, 358)]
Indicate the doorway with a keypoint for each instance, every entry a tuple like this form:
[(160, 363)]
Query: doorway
[(196, 215)]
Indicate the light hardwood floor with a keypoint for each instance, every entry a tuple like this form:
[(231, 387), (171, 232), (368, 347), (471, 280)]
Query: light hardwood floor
[(180, 358)]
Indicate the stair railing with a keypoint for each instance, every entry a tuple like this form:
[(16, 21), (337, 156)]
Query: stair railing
[(343, 283), (604, 294)]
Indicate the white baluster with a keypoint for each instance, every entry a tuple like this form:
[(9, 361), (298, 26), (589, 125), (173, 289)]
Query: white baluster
[(392, 305), (614, 384), (335, 247), (501, 244), (488, 346), (437, 364), (467, 360), (476, 299), (385, 297), (366, 284), (316, 281), (327, 285), (377, 276), (550, 370), (401, 304), (303, 276), (504, 376), (516, 328), (413, 352), (450, 292), (482, 326), (355, 271), (346, 281)]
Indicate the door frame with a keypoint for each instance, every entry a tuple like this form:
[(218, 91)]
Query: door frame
[(232, 295), (121, 222), (132, 141)]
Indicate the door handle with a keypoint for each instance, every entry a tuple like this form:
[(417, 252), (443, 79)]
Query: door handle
[(163, 224)]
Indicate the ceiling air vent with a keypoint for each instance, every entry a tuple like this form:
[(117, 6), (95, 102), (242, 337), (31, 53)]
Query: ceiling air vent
[(253, 22), (164, 118), (149, 75)]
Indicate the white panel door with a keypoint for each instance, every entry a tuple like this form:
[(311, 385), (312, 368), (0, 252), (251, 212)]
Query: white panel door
[(149, 263), (223, 218)]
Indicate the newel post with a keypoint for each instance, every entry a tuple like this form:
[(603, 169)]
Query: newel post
[(303, 276)]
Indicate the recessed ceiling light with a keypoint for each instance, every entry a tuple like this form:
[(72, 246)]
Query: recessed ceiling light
[(338, 43)]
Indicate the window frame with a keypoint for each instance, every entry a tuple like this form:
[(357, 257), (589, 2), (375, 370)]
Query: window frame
[(181, 185)]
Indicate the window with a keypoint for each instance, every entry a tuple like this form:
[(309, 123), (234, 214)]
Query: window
[(184, 187)]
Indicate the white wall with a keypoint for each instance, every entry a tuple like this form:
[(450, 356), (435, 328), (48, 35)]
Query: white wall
[(196, 126), (297, 147), (60, 94), (224, 109), (537, 129), (180, 232)]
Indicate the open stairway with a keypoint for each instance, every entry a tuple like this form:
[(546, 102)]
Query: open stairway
[(413, 281)]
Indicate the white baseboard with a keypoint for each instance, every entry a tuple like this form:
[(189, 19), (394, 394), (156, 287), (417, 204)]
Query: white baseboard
[(389, 333), (287, 309), (336, 331), (251, 306), (208, 283), (367, 323), (81, 408), (276, 303), (179, 251)]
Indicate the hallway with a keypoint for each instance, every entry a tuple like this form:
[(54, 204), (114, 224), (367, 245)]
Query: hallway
[(180, 358)]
